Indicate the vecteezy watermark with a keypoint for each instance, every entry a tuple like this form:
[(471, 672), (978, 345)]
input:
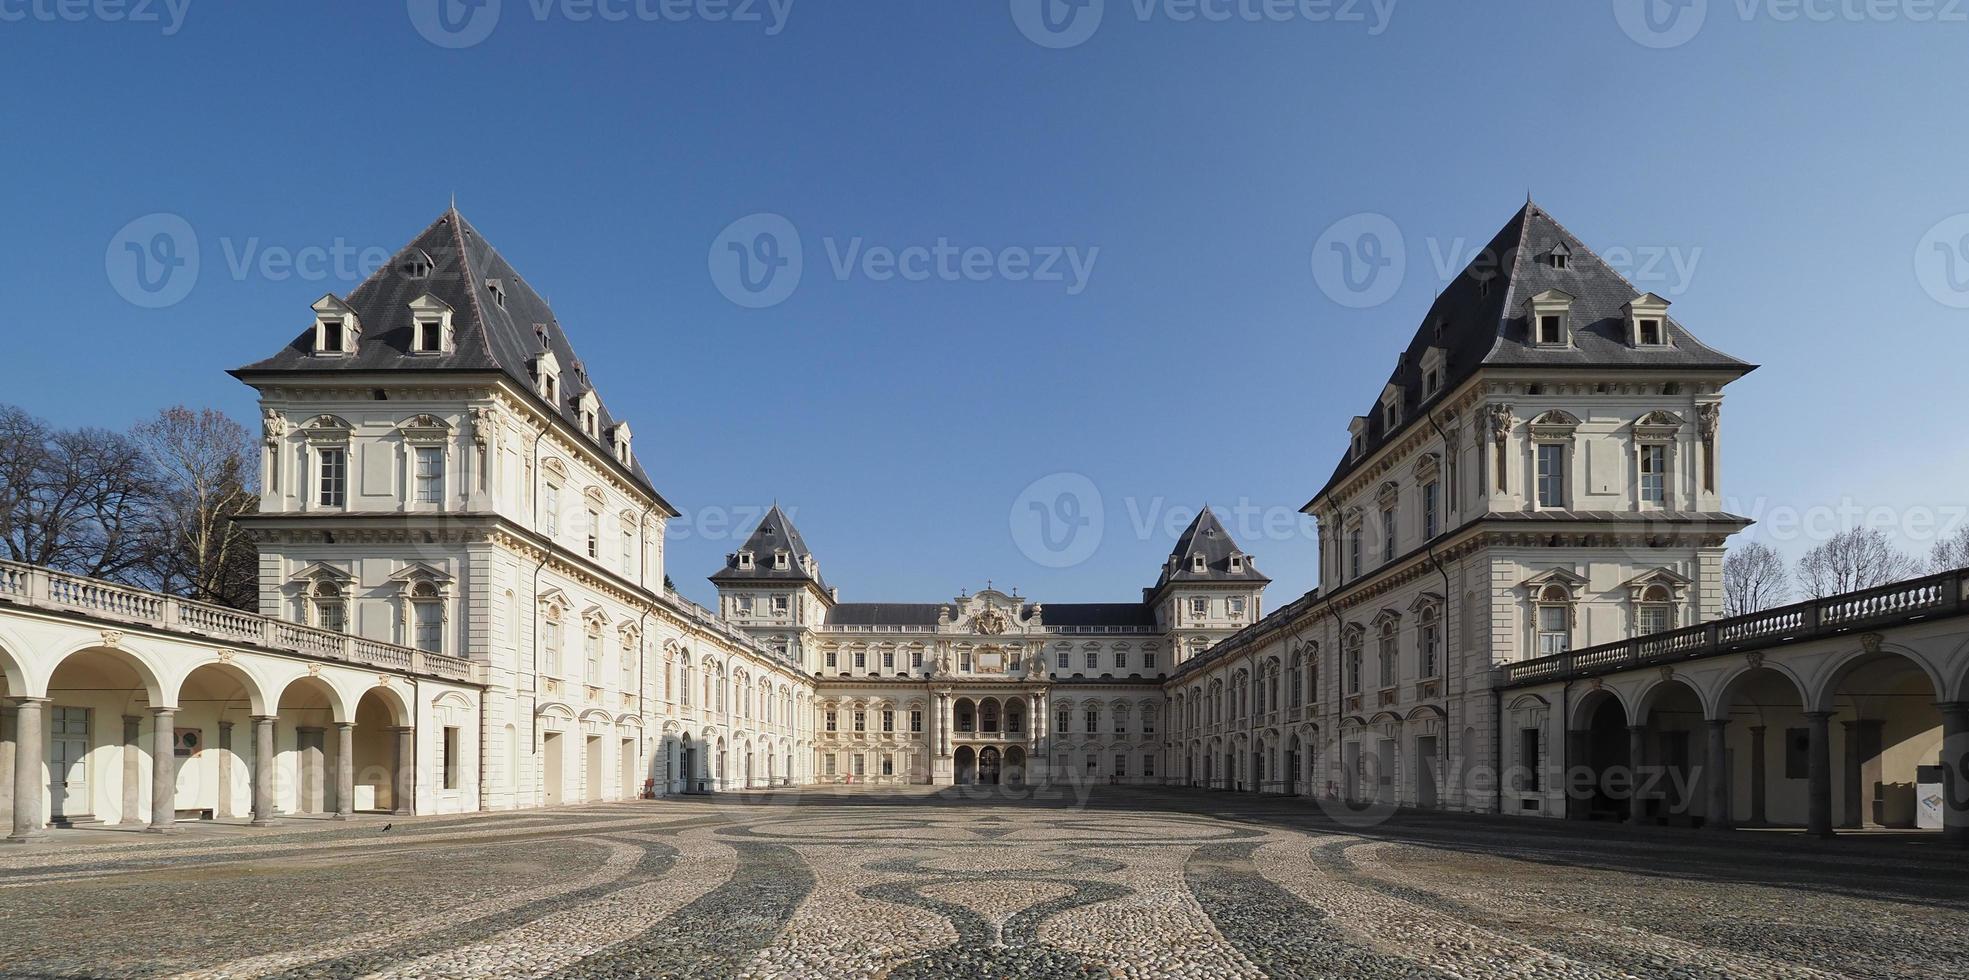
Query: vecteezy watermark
[(465, 23), (1673, 23), (1362, 260), (1057, 521), (154, 261), (1060, 24), (1941, 262), (758, 261), (718, 523), (168, 15)]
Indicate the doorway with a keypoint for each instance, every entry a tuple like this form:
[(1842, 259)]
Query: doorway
[(550, 769), (1425, 771), (68, 763), (988, 766)]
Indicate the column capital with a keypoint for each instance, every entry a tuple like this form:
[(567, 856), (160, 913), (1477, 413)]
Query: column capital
[(1952, 707), (23, 701), (269, 719), (342, 726), (1820, 715), (161, 712), (1717, 722)]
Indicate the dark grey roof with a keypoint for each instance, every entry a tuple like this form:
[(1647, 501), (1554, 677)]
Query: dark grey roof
[(1097, 614), (885, 614), (1261, 631), (775, 534), (1491, 327), (488, 336), (1207, 538), (1052, 614)]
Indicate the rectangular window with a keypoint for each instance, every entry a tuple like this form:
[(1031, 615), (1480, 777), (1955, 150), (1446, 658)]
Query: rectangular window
[(1120, 765), (1354, 554), (628, 671), (334, 468), (779, 605), (430, 475), (861, 660), (451, 758), (861, 721), (1551, 329), (1654, 618), (861, 764), (593, 674), (1093, 660), (554, 635), (888, 720), (1431, 501), (551, 504), (1064, 660), (429, 629), (1199, 607), (1654, 474), (1551, 475), (1121, 660), (830, 763), (888, 765), (1388, 534), (1093, 721), (1528, 755), (1236, 605), (1148, 764), (916, 721), (594, 534), (1797, 753), (1064, 721), (1431, 638), (915, 660), (833, 660), (1148, 661), (744, 605), (1554, 630), (888, 660), (832, 721), (1651, 333), (964, 661), (629, 553)]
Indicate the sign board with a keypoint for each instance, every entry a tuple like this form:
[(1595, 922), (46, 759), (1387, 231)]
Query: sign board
[(1928, 798), (185, 742)]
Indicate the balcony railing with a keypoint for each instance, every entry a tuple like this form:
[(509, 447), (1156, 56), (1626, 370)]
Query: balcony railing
[(1935, 596), (42, 588)]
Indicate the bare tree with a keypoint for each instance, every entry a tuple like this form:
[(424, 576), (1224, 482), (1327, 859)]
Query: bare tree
[(1858, 559), (76, 500), (1950, 553), (206, 468), (1754, 579)]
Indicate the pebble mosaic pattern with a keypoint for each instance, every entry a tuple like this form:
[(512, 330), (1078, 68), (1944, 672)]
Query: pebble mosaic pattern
[(834, 883)]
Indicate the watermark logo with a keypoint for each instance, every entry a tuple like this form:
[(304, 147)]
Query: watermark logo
[(757, 261), (1058, 24), (1941, 262), (1058, 520), (169, 15), (1360, 260), (152, 262), (1661, 24), (454, 23)]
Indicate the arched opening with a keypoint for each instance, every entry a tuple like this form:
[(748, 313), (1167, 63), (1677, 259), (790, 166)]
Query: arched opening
[(309, 751), (220, 746), (988, 716), (594, 766), (1673, 741), (1015, 716), (1885, 744), (104, 736), (385, 754), (1768, 749), (686, 765), (1600, 744), (966, 762), (990, 762), (1015, 766), (1291, 768), (965, 716)]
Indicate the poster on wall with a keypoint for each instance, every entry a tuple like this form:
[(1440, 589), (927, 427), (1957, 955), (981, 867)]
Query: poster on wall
[(185, 742)]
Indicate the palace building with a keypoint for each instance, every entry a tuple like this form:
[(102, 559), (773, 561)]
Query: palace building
[(464, 606)]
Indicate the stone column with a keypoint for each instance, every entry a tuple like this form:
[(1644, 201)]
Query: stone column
[(133, 764), (225, 770), (30, 746), (263, 770), (1818, 819), (163, 771), (1579, 747), (1719, 778), (1757, 776), (7, 750), (1850, 777), (406, 785), (1637, 753), (345, 770), (1955, 771)]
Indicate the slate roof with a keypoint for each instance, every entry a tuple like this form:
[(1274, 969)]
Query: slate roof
[(1481, 327), (925, 614), (774, 534), (1207, 538), (488, 336)]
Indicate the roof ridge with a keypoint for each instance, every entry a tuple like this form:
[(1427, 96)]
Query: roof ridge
[(1511, 278), (471, 280)]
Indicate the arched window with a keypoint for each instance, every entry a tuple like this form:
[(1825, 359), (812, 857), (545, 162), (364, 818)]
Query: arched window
[(1656, 611), (328, 606), (427, 617), (1429, 637)]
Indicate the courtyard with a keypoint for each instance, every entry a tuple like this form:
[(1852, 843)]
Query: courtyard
[(851, 882)]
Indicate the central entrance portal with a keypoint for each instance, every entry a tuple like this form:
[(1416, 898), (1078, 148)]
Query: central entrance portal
[(988, 765)]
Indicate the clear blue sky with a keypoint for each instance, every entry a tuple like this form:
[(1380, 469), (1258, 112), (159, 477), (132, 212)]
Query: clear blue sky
[(1796, 165)]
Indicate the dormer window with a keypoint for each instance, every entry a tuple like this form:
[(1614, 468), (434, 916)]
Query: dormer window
[(430, 328), (336, 328), (1561, 256), (1647, 321), (547, 374), (1197, 564), (417, 264), (1391, 408), (498, 291), (1551, 312), (782, 561), (1357, 431), (589, 410), (1237, 563), (745, 559), (620, 437)]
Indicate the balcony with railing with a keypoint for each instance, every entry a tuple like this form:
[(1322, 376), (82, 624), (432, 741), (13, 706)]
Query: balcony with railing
[(1897, 604), (40, 588)]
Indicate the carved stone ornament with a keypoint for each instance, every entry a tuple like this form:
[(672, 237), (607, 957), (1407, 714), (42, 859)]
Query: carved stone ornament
[(1667, 673), (1596, 684), (273, 426), (382, 680), (314, 670), (1870, 642), (1500, 418), (112, 637), (989, 622), (482, 424), (1708, 417), (1754, 658), (225, 656)]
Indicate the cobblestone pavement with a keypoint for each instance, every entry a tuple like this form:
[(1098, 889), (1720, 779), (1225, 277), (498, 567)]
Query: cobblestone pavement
[(1127, 883)]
